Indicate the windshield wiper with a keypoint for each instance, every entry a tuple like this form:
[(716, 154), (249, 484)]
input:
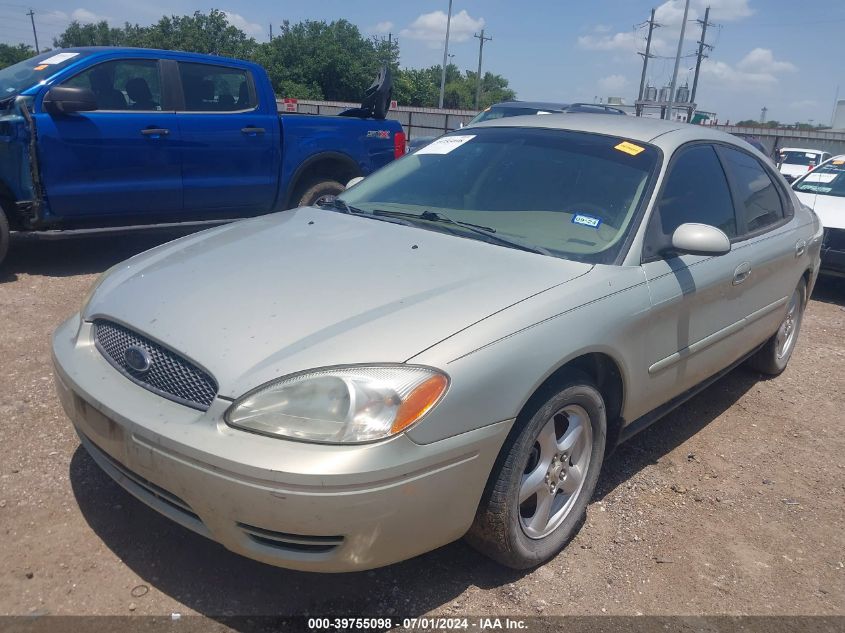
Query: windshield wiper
[(340, 205), (478, 229)]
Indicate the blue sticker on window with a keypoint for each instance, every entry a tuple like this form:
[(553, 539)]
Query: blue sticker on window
[(586, 220)]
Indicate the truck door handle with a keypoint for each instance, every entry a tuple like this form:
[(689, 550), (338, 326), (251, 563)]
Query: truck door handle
[(252, 131), (155, 132), (800, 247), (741, 273)]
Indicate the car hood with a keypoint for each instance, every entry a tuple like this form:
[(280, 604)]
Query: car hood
[(309, 288), (830, 209)]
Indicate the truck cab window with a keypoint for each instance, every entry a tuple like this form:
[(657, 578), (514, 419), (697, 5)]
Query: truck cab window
[(216, 88), (126, 84)]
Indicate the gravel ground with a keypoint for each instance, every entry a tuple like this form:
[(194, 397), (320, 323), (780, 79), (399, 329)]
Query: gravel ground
[(731, 504)]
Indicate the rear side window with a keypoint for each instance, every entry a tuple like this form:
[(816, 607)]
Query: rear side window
[(695, 191), (216, 88), (758, 198), (125, 84)]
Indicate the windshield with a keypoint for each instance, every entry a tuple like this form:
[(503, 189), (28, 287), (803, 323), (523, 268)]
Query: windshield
[(18, 77), (799, 158), (499, 113), (571, 194), (827, 180)]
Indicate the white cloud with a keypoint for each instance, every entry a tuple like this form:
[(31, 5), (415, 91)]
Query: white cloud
[(613, 84), (761, 60), (431, 28), (758, 69), (382, 27), (625, 41), (87, 17), (250, 28)]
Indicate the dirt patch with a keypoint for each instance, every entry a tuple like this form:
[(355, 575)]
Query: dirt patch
[(731, 504)]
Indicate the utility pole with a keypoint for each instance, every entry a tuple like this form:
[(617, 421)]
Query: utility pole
[(481, 40), (677, 61), (271, 30), (701, 46), (445, 55), (646, 56), (31, 15)]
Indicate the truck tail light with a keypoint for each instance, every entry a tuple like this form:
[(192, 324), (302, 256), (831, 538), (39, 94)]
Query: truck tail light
[(399, 145)]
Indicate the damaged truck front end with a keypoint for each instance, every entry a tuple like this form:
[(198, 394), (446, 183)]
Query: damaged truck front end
[(20, 184)]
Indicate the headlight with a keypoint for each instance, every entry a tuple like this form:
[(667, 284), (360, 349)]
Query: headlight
[(340, 404)]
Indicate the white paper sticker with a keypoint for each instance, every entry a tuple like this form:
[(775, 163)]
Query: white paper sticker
[(809, 155), (58, 59), (820, 178), (445, 144)]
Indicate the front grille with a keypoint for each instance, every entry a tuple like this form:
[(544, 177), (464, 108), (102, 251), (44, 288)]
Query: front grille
[(169, 375), (834, 238)]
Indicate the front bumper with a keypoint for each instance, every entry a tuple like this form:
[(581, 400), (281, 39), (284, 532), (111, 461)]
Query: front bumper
[(833, 252), (291, 504)]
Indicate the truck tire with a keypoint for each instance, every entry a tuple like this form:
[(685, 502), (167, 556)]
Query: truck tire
[(4, 234), (312, 190)]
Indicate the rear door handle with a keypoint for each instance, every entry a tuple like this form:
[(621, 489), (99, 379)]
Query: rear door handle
[(800, 247), (252, 131), (155, 132), (741, 273)]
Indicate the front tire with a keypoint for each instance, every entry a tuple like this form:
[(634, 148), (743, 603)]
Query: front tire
[(4, 234), (537, 495), (773, 357)]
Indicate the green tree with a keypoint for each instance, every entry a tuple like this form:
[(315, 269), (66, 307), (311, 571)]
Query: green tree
[(10, 54)]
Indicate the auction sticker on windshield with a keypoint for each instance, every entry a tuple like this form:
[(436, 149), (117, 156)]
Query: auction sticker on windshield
[(58, 59), (445, 144)]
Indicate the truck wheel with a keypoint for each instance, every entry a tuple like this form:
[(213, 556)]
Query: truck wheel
[(4, 234), (536, 498), (775, 354), (316, 189)]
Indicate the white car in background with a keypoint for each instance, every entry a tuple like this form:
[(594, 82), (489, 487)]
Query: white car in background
[(794, 162), (823, 190)]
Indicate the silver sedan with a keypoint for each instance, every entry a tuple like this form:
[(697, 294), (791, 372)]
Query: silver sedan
[(449, 348)]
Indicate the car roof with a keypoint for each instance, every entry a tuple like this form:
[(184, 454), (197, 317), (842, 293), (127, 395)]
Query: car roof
[(540, 105), (801, 149), (665, 134)]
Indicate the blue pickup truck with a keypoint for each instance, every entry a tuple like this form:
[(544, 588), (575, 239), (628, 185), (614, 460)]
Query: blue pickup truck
[(100, 137)]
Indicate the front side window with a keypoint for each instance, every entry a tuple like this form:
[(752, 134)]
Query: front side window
[(124, 84), (567, 194), (695, 191), (759, 202), (216, 88)]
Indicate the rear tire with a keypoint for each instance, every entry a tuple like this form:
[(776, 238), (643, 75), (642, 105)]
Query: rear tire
[(4, 234), (314, 189), (537, 496), (773, 357)]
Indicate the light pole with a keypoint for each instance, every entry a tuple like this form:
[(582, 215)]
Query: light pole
[(445, 55)]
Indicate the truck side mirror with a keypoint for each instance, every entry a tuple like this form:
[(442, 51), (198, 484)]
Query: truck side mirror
[(700, 239), (68, 99)]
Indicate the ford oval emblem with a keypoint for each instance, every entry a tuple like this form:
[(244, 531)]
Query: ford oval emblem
[(137, 359)]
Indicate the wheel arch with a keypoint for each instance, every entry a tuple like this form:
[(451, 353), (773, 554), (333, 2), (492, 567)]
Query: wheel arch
[(335, 165)]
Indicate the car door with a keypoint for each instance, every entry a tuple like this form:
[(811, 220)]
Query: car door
[(697, 303), (768, 240), (231, 157), (123, 158)]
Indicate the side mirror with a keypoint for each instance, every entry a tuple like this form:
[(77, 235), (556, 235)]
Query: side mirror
[(354, 181), (700, 239), (67, 99)]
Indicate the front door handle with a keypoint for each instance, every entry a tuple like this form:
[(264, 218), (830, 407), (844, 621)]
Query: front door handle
[(800, 247), (741, 273), (252, 131), (155, 132)]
